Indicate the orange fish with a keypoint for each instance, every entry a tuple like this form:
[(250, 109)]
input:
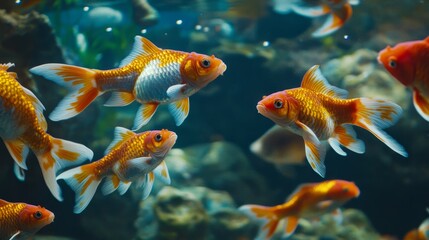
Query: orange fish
[(307, 201), (318, 112), (338, 11), (23, 127), (150, 75), (130, 157), (21, 220), (422, 233), (407, 62)]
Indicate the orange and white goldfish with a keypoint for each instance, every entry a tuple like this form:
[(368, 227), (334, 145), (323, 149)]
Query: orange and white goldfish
[(307, 201), (150, 75), (22, 220), (407, 62), (421, 233), (23, 127), (318, 112), (338, 11), (130, 157)]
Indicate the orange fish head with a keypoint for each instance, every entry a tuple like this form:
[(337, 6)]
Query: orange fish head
[(399, 62), (343, 191), (159, 142), (32, 218), (199, 69), (280, 107)]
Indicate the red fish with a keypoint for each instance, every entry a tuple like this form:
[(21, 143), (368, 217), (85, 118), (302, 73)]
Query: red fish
[(318, 112), (408, 62), (307, 201), (23, 127), (130, 157), (21, 220), (150, 75), (338, 11)]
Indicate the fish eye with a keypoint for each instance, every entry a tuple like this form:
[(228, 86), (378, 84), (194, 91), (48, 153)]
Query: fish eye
[(158, 137), (205, 63), (278, 103), (345, 190), (37, 215), (392, 63)]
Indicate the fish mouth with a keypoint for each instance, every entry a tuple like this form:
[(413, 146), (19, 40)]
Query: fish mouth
[(221, 69), (262, 109)]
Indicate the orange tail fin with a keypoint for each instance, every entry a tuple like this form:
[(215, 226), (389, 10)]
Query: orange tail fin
[(84, 183), (265, 217), (335, 20), (375, 115), (80, 80), (62, 154)]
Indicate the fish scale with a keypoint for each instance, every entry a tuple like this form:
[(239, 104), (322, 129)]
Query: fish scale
[(9, 219)]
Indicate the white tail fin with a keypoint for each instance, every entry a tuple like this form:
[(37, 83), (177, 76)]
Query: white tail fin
[(376, 114), (265, 217), (84, 183), (80, 80), (62, 154)]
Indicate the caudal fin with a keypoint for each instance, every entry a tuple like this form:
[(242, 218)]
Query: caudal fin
[(80, 80), (84, 183), (335, 20), (62, 154), (264, 217), (375, 115)]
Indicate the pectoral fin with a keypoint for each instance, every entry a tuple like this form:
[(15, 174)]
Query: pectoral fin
[(421, 104), (314, 149), (161, 172), (179, 110), (176, 92)]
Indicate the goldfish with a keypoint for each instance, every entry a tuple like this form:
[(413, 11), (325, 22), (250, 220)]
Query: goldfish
[(319, 112), (150, 75), (338, 11), (23, 127), (22, 220), (279, 146), (307, 201), (130, 157), (422, 233), (407, 62)]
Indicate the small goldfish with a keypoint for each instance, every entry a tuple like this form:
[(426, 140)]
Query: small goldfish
[(317, 112), (23, 127), (279, 146), (130, 157), (339, 12), (407, 62), (21, 220), (422, 233), (307, 201), (150, 75)]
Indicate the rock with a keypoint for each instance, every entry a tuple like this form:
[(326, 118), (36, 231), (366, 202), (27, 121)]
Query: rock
[(220, 166), (180, 215), (231, 224)]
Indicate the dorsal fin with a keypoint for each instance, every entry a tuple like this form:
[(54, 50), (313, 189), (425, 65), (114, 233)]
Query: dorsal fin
[(121, 135), (315, 81), (142, 46), (6, 66), (3, 203), (301, 188), (39, 108)]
